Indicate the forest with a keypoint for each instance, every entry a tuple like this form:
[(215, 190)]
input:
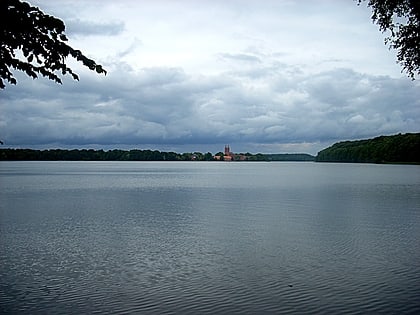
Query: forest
[(400, 148)]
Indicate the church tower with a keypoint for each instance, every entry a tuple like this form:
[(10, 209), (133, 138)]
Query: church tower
[(227, 150)]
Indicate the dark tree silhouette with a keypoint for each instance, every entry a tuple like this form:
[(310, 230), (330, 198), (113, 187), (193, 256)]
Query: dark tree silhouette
[(34, 42), (402, 19)]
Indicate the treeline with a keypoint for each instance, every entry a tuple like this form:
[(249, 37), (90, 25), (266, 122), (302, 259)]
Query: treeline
[(260, 157), (134, 155), (303, 157), (401, 148), (97, 155)]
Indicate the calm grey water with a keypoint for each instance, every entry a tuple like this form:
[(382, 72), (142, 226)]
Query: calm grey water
[(197, 238)]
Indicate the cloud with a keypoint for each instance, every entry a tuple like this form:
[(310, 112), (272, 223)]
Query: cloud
[(240, 57), (77, 27), (130, 49), (167, 106)]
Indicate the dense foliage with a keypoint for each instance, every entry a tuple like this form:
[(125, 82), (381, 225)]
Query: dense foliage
[(34, 42), (290, 157), (402, 19), (401, 148)]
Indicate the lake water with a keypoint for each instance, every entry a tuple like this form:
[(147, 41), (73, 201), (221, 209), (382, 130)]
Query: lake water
[(209, 237)]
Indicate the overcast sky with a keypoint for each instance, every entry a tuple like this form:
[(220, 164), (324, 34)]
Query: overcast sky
[(272, 76)]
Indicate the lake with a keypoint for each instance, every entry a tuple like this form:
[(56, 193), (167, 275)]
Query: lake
[(209, 237)]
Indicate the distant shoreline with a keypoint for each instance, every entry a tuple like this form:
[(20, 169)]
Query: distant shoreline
[(395, 149), (139, 155)]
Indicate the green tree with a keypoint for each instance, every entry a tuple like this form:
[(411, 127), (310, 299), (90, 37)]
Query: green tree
[(34, 42), (208, 157), (384, 149), (401, 18)]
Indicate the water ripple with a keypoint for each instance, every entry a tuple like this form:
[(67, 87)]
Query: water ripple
[(191, 242)]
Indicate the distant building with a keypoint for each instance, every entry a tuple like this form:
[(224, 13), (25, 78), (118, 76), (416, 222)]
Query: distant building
[(230, 156)]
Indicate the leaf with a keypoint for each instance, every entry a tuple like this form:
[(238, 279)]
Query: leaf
[(99, 69)]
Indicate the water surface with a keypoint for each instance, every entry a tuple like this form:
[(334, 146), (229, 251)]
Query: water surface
[(216, 237)]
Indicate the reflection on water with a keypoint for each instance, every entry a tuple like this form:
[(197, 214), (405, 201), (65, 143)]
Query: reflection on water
[(121, 237)]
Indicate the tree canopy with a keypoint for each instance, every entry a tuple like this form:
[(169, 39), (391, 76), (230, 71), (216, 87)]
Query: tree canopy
[(401, 148), (34, 42), (401, 18)]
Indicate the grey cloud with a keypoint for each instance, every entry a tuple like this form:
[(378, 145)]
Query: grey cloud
[(77, 27), (240, 57), (346, 104), (136, 42), (168, 107)]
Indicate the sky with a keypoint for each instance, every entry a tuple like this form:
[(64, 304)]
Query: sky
[(272, 76)]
